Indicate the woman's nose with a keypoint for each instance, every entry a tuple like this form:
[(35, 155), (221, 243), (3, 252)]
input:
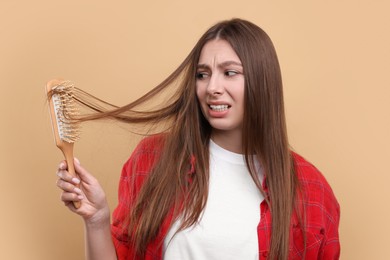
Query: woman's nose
[(215, 86)]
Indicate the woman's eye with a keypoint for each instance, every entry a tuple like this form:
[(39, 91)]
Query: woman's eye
[(201, 75), (231, 73)]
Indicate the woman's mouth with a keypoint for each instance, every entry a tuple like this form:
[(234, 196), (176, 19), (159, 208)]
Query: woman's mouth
[(219, 108)]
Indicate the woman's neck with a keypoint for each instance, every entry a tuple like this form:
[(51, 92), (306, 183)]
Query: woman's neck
[(229, 141)]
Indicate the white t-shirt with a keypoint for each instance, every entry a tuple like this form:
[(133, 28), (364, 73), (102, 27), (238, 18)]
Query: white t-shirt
[(228, 226)]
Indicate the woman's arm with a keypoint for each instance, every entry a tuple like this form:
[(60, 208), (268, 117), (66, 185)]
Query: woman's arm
[(98, 243), (94, 210)]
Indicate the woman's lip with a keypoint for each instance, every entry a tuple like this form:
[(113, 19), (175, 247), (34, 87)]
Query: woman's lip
[(218, 113), (216, 103)]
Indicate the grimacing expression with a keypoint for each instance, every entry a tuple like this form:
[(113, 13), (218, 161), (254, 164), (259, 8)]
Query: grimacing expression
[(220, 87)]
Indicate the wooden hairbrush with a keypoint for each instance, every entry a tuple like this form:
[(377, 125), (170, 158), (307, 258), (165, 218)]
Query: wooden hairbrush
[(62, 113)]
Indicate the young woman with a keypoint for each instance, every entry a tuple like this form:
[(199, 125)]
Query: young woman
[(221, 182)]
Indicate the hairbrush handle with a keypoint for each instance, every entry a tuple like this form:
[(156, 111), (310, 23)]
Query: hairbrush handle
[(67, 150)]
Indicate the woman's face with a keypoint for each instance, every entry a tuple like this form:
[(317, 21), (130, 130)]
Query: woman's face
[(220, 87)]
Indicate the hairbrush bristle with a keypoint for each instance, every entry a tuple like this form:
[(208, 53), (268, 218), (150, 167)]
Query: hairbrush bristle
[(66, 111)]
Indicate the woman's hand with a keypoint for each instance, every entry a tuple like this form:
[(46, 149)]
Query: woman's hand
[(86, 189)]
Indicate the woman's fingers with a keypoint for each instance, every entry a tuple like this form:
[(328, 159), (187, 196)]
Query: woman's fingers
[(84, 188), (70, 193), (84, 175), (64, 174), (68, 186), (68, 197)]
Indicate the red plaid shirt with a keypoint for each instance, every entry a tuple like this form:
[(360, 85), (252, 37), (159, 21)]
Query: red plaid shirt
[(321, 208)]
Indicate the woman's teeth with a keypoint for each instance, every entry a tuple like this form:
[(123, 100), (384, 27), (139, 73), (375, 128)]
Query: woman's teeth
[(219, 107)]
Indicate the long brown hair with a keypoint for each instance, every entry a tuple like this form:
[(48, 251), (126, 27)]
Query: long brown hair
[(188, 133)]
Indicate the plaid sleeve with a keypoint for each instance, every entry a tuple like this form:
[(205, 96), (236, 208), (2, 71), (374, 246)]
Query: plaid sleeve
[(331, 245), (119, 228), (132, 177), (322, 212)]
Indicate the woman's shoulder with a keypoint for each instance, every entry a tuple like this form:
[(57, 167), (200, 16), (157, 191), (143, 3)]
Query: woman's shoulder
[(322, 212), (146, 152), (150, 143), (306, 172), (312, 182)]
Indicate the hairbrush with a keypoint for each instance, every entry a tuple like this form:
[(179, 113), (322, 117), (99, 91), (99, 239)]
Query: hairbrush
[(66, 129)]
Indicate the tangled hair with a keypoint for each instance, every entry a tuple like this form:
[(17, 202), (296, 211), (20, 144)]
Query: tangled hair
[(187, 135)]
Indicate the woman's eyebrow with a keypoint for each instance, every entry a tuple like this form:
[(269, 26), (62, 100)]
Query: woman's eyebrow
[(228, 63), (202, 66), (221, 65)]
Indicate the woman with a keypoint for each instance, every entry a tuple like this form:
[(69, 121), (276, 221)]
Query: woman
[(221, 181)]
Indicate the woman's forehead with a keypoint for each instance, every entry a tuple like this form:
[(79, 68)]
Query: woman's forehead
[(217, 52)]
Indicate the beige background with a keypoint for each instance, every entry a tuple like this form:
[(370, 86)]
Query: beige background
[(335, 60)]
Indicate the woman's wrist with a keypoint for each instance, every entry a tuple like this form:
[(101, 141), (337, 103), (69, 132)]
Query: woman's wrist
[(98, 240), (99, 221)]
